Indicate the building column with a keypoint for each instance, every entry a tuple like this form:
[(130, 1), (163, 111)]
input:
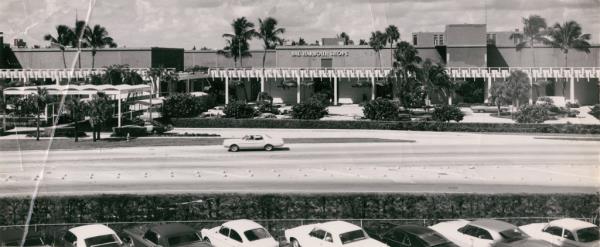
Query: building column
[(119, 110), (335, 91), (572, 90), (226, 90), (298, 90), (373, 87), (530, 89), (262, 83), (450, 100), (488, 93)]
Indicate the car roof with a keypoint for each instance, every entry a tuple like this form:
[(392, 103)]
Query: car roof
[(88, 231), (338, 227), (15, 234), (414, 229), (494, 225), (571, 224), (168, 230), (242, 225)]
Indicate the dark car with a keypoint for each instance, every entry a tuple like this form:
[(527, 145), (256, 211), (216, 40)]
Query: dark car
[(165, 235), (12, 238), (413, 236)]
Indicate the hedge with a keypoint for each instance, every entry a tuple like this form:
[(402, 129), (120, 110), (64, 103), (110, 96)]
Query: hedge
[(171, 207), (133, 131), (386, 125)]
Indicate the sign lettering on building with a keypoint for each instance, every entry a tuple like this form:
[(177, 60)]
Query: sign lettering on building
[(320, 53)]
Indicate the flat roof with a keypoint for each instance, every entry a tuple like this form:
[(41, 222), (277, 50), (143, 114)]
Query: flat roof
[(78, 89)]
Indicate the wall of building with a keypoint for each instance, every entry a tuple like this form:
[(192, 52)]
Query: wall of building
[(345, 56), (466, 56), (212, 59), (167, 58), (544, 57), (466, 35), (53, 59)]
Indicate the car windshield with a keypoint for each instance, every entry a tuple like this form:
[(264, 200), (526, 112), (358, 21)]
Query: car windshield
[(184, 239), (108, 240), (28, 242), (256, 234), (513, 235), (353, 236), (589, 234)]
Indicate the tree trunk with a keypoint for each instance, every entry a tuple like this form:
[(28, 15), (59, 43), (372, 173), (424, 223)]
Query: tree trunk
[(564, 79), (76, 131), (498, 105), (391, 55), (93, 60), (37, 124), (533, 52), (64, 59)]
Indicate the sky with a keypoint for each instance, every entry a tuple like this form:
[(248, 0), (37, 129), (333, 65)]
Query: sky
[(189, 23)]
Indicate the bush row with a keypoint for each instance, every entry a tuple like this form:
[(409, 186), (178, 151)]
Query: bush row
[(135, 208), (387, 125)]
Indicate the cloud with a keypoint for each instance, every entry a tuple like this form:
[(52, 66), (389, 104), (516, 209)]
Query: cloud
[(188, 23)]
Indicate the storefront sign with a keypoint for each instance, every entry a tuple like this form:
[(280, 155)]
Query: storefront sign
[(320, 53)]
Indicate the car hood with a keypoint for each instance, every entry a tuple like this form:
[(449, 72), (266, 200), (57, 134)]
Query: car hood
[(369, 242)]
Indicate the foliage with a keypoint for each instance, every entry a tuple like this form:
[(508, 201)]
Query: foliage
[(121, 74), (404, 76), (311, 109), (77, 108), (269, 33), (133, 131), (237, 43), (381, 109), (532, 114), (518, 86), (435, 79), (97, 37), (470, 91), (100, 110), (184, 105), (324, 98), (239, 109), (595, 111), (388, 125), (446, 113)]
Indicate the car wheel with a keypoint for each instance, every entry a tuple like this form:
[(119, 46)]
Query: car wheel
[(268, 147), (234, 148), (295, 243)]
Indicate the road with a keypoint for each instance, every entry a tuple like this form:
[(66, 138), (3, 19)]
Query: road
[(435, 162)]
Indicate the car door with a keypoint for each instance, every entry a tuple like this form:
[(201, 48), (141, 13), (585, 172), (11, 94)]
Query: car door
[(259, 141), (555, 235)]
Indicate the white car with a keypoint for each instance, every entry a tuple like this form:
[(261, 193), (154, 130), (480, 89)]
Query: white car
[(239, 233), (565, 232), (95, 235), (330, 234), (486, 232), (265, 142)]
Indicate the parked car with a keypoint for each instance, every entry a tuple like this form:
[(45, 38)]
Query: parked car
[(12, 238), (330, 234), (95, 235), (413, 235), (565, 232), (486, 232), (165, 235), (215, 112), (155, 127), (489, 108), (265, 142), (239, 233)]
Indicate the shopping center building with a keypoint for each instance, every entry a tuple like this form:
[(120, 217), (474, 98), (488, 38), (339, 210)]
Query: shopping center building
[(469, 51)]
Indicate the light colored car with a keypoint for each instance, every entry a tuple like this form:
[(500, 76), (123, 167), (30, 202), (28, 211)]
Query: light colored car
[(330, 234), (95, 235), (565, 232), (265, 142), (486, 232), (239, 233)]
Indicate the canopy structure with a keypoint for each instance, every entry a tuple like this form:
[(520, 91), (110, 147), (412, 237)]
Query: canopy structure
[(117, 92)]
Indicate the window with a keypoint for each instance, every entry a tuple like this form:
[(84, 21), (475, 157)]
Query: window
[(107, 240), (441, 42), (414, 39), (406, 240), (224, 231), (317, 233), (589, 234), (151, 236), (70, 237), (353, 236), (235, 236), (513, 235), (491, 39), (483, 234), (258, 138), (256, 234), (554, 230), (328, 237), (435, 40), (569, 235)]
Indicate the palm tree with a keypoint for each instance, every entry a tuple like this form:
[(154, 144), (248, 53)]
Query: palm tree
[(62, 39), (269, 34), (78, 39), (345, 37), (406, 68), (243, 31), (392, 34), (97, 37), (39, 100), (77, 109), (377, 42), (99, 110), (435, 79), (568, 36), (518, 86), (533, 30), (498, 94)]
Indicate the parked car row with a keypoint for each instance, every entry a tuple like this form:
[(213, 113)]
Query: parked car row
[(247, 233)]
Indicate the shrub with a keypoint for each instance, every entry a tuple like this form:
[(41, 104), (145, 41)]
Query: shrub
[(381, 109), (322, 97), (446, 113), (132, 130), (311, 109), (239, 109), (595, 111), (532, 114), (184, 105), (572, 105)]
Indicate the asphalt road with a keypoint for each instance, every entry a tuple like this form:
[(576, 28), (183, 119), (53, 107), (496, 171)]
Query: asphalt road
[(452, 163)]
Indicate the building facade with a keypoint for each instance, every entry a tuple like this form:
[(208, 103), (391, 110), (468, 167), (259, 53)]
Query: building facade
[(469, 52)]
